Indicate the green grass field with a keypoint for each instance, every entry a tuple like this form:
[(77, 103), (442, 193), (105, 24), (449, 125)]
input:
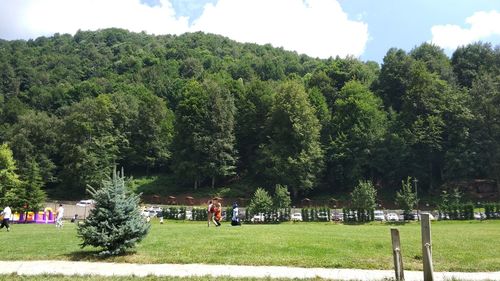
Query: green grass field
[(457, 246)]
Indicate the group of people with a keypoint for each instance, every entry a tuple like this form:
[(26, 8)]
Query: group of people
[(7, 216), (215, 213)]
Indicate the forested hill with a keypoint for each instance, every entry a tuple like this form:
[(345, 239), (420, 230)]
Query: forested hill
[(208, 111)]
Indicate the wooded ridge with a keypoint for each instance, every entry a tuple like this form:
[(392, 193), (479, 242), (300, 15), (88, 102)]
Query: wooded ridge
[(208, 111)]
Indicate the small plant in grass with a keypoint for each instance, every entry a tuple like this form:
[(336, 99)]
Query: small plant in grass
[(115, 224), (406, 199), (261, 202)]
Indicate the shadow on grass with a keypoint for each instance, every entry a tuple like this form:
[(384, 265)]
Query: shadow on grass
[(377, 223), (356, 223), (397, 222), (93, 255)]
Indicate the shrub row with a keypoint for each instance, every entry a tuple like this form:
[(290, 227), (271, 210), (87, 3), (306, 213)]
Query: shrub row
[(284, 214), (274, 216), (229, 213), (492, 210), (452, 212), (358, 215), (174, 213), (199, 214), (316, 214), (457, 212)]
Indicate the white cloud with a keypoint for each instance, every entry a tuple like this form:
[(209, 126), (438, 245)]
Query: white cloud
[(314, 27), (482, 25), (36, 18)]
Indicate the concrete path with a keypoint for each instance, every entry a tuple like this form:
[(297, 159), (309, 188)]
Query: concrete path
[(182, 270)]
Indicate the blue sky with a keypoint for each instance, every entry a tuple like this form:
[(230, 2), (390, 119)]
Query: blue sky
[(407, 23), (319, 28)]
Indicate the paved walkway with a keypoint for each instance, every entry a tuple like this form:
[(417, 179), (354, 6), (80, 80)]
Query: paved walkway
[(182, 270)]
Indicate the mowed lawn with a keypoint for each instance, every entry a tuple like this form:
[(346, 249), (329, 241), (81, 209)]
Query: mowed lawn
[(457, 246)]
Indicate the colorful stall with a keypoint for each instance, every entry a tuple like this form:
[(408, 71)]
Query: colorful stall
[(45, 216)]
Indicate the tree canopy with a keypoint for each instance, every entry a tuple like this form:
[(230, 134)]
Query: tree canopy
[(207, 111)]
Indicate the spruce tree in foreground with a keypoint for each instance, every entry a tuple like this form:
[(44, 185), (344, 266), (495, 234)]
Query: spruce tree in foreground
[(115, 224)]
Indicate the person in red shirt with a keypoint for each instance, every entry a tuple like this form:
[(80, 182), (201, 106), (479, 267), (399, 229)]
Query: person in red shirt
[(217, 214)]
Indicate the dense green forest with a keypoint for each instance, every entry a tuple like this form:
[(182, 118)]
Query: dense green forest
[(206, 111)]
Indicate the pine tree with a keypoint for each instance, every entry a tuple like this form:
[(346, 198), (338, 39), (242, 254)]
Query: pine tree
[(33, 194), (115, 223)]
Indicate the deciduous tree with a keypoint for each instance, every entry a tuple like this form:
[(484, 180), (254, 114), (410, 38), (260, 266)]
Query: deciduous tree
[(364, 195), (406, 199), (292, 155)]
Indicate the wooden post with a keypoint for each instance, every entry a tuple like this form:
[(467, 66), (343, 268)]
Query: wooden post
[(427, 248), (398, 257)]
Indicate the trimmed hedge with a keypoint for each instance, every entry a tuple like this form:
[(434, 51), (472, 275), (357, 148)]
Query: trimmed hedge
[(358, 215), (457, 212), (316, 214), (274, 216), (492, 210), (199, 214), (229, 213)]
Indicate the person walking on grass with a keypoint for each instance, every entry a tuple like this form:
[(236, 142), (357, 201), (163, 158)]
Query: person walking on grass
[(217, 214), (235, 220), (46, 215), (6, 213), (210, 212), (60, 214)]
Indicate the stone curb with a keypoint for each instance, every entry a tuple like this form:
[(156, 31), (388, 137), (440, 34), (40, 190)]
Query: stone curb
[(185, 270)]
